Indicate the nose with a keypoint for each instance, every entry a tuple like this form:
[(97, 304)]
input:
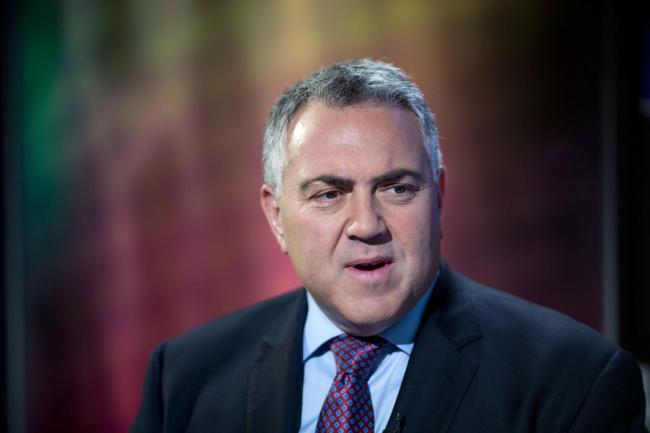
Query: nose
[(366, 223)]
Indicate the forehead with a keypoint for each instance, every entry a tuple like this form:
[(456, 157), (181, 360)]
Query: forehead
[(362, 139)]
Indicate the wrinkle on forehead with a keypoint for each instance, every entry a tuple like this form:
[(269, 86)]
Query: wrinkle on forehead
[(359, 142), (303, 125)]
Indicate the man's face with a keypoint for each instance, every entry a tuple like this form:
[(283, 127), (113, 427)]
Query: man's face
[(360, 212)]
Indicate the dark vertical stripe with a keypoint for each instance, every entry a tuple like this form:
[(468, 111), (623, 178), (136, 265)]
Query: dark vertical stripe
[(13, 359), (609, 168)]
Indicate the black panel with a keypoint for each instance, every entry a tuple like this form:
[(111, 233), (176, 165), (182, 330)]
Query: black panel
[(632, 26)]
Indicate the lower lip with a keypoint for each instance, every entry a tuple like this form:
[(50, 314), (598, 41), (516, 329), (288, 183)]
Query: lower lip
[(372, 275)]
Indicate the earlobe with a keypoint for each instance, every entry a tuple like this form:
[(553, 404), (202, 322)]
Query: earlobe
[(271, 209)]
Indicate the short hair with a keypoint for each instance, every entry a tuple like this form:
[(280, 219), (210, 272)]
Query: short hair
[(341, 85)]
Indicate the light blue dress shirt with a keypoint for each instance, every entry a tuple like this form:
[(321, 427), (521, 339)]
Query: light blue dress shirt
[(320, 366)]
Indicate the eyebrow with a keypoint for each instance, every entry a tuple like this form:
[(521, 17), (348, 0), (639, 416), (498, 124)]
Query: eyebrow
[(327, 179), (396, 175), (340, 182)]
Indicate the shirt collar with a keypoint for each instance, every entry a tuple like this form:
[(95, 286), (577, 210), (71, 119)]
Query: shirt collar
[(319, 328)]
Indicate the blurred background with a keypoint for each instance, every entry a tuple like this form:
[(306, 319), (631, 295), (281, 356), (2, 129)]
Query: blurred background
[(132, 170)]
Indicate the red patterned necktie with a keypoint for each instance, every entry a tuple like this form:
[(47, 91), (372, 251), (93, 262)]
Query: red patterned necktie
[(348, 407)]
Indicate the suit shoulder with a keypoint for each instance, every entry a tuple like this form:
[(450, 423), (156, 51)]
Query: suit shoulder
[(536, 369), (190, 372), (246, 325), (508, 318)]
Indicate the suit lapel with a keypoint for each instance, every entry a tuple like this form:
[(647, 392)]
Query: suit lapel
[(438, 374), (275, 383)]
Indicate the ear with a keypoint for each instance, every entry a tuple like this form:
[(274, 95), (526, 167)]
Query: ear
[(440, 192), (271, 210), (440, 187)]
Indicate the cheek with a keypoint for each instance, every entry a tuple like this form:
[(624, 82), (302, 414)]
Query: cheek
[(309, 238), (417, 232)]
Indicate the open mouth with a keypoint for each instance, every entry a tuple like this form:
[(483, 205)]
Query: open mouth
[(369, 265)]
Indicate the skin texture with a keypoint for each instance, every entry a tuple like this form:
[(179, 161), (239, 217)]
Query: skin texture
[(358, 190)]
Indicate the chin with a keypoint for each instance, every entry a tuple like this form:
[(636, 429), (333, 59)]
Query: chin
[(361, 324), (365, 330)]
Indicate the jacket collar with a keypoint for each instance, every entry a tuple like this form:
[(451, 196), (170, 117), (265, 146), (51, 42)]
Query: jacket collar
[(274, 396), (438, 373)]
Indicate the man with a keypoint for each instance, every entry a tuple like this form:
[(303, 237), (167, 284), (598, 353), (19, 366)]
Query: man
[(385, 337)]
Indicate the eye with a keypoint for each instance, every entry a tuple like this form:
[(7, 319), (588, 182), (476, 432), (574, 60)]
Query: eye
[(398, 189), (327, 196), (398, 192)]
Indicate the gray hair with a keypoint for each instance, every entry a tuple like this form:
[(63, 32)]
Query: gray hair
[(340, 85)]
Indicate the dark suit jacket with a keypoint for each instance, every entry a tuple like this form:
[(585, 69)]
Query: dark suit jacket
[(483, 361)]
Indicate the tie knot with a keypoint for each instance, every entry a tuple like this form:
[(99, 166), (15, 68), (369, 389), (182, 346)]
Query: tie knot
[(358, 356)]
